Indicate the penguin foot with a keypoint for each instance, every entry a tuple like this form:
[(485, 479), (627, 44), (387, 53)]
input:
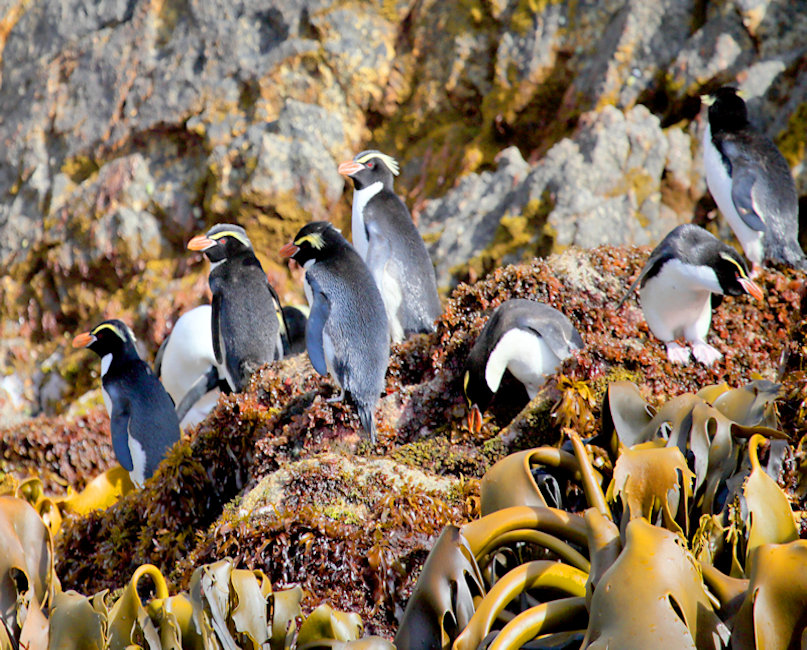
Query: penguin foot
[(677, 353), (756, 269), (705, 353), (338, 398)]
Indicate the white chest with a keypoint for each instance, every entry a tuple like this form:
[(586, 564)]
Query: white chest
[(528, 358), (138, 454), (677, 301), (358, 231), (719, 183)]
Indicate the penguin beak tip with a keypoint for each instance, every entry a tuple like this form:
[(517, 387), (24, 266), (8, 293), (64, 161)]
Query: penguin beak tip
[(475, 419), (349, 167), (200, 243), (752, 288), (83, 340), (289, 250)]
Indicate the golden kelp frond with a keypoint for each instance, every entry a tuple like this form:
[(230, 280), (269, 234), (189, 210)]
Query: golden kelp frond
[(653, 597)]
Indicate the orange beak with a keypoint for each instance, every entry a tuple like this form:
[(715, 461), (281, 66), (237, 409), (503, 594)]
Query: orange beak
[(474, 419), (751, 288), (289, 250), (200, 243), (83, 340), (349, 167)]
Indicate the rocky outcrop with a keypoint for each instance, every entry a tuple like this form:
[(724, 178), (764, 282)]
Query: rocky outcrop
[(523, 127)]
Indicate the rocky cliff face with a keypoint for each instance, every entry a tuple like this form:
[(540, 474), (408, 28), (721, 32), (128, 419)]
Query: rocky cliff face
[(523, 127)]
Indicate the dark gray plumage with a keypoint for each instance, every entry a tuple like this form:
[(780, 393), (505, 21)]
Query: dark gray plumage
[(246, 309), (751, 183), (346, 333), (143, 423), (387, 240), (684, 278)]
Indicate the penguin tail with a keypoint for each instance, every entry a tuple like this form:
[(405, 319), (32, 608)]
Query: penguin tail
[(367, 418)]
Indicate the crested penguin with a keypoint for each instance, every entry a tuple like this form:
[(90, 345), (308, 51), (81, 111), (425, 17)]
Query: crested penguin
[(528, 338), (751, 183), (143, 423), (246, 318), (387, 240), (687, 275), (186, 365), (346, 334)]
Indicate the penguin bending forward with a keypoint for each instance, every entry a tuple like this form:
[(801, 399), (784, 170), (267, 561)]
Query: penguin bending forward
[(387, 240), (751, 183), (246, 317), (528, 338), (687, 275), (186, 365), (346, 333), (143, 423)]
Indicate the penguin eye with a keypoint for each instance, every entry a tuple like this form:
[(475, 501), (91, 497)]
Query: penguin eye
[(371, 164)]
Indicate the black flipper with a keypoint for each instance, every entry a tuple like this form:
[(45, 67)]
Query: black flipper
[(204, 384)]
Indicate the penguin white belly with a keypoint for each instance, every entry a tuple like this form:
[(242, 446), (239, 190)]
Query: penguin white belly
[(526, 356), (200, 409), (719, 183), (138, 473), (358, 231), (105, 361), (392, 296), (328, 351), (678, 301), (188, 353)]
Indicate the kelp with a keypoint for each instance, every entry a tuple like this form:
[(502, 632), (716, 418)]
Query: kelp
[(647, 565)]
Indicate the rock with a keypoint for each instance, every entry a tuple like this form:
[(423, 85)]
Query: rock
[(602, 186)]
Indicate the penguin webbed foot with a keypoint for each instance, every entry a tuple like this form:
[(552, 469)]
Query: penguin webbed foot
[(756, 269), (705, 353), (677, 353)]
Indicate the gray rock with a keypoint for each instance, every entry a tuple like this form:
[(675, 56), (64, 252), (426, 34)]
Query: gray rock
[(603, 187)]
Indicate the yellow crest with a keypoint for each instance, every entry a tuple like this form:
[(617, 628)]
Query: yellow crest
[(729, 258), (315, 239), (389, 161), (234, 235), (116, 330)]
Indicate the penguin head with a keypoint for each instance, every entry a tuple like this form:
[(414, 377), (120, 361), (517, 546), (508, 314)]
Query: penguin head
[(477, 394), (370, 167), (732, 274), (110, 337), (315, 241), (222, 241), (727, 110)]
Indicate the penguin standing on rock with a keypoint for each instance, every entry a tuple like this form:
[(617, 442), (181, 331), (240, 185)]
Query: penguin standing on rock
[(687, 275), (246, 316), (751, 183), (186, 365), (387, 240), (528, 338), (346, 333), (143, 423)]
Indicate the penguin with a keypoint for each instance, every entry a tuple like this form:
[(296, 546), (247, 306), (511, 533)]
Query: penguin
[(246, 314), (387, 240), (528, 338), (143, 423), (347, 335), (295, 317), (186, 365), (751, 183), (684, 278)]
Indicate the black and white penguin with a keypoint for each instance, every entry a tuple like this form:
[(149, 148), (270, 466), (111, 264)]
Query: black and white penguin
[(186, 365), (751, 183), (387, 240), (143, 423), (246, 311), (296, 317), (687, 275), (528, 338), (347, 333)]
